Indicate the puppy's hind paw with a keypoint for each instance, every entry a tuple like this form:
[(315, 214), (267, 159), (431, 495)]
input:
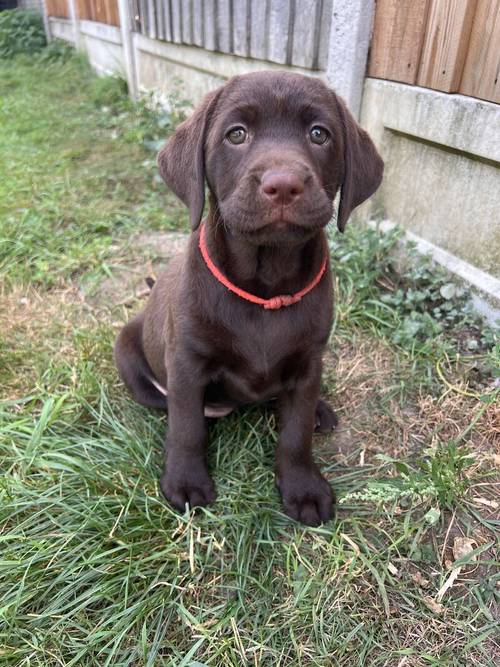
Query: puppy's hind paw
[(326, 420)]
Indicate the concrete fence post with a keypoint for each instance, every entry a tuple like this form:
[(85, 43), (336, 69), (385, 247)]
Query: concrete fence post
[(350, 35), (46, 23), (73, 17), (128, 46)]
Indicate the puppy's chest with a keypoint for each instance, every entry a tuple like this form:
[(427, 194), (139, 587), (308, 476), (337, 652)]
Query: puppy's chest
[(258, 362)]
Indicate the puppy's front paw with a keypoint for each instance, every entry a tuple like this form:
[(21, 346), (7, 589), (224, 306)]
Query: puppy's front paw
[(187, 482), (307, 496)]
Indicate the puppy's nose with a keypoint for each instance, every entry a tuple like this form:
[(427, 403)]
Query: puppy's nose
[(281, 187)]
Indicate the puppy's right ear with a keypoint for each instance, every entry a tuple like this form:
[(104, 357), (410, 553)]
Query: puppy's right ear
[(182, 160)]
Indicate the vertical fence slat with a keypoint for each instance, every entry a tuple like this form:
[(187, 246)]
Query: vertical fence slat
[(176, 16), (445, 45), (160, 22), (143, 14), (187, 37), (324, 35), (134, 15), (398, 36), (57, 8), (151, 19), (258, 32), (197, 14), (306, 25), (241, 27), (223, 17), (482, 65), (209, 31), (167, 18), (278, 30)]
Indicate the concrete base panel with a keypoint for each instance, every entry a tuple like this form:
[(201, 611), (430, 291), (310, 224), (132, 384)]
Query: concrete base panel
[(61, 29), (103, 44), (442, 177)]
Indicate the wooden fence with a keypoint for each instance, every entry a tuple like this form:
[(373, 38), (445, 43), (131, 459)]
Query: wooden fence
[(448, 45), (104, 11), (58, 8), (289, 32)]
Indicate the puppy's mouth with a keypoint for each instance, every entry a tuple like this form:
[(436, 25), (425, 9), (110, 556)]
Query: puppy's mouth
[(278, 232), (266, 224)]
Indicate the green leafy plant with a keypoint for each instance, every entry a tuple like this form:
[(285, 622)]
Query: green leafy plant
[(411, 304), (58, 51), (109, 91), (438, 475), (21, 32)]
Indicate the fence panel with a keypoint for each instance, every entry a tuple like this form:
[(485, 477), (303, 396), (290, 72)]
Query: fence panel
[(282, 31), (445, 45), (398, 35), (57, 8), (103, 11), (448, 45), (480, 77)]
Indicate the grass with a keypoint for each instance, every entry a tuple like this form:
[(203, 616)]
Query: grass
[(95, 568)]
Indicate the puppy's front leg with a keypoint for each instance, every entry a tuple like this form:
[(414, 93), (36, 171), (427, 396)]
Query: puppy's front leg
[(307, 496), (185, 477)]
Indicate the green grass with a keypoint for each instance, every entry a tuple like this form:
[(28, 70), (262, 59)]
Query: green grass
[(73, 184), (95, 567)]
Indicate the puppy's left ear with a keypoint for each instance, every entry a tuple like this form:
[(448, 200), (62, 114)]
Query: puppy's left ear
[(363, 166), (182, 160)]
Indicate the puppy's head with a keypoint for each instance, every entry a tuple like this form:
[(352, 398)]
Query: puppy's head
[(274, 149)]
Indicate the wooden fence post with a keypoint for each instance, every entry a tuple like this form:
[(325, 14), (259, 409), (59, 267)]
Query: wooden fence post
[(73, 17), (350, 36), (128, 47)]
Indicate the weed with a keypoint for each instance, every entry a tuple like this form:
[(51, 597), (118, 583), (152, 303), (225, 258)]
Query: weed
[(416, 306), (21, 32), (438, 475), (109, 91), (57, 51)]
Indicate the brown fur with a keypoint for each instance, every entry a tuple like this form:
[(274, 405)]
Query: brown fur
[(207, 347)]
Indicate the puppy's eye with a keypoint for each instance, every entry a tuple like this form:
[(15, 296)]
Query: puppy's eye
[(237, 135), (318, 134)]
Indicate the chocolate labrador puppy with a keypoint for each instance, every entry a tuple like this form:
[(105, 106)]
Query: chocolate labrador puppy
[(244, 315)]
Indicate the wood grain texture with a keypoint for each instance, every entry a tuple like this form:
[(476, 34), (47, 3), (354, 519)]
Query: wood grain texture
[(186, 22), (176, 18), (152, 32), (103, 11), (57, 8), (445, 45), (398, 36), (306, 30), (197, 11), (160, 21), (481, 75), (291, 32), (143, 16), (209, 34), (259, 26), (241, 27), (324, 35), (224, 26)]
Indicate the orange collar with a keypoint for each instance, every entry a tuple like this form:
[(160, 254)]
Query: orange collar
[(275, 302)]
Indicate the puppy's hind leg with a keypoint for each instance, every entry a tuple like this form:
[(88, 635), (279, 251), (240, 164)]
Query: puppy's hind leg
[(134, 369), (325, 419)]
